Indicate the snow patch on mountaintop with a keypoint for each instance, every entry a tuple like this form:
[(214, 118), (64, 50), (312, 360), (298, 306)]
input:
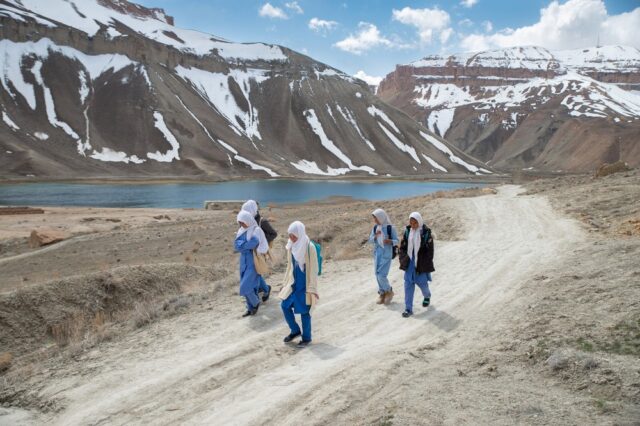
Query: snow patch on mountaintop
[(70, 13)]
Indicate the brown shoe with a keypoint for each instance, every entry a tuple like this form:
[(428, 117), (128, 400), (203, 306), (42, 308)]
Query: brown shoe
[(388, 297), (381, 298)]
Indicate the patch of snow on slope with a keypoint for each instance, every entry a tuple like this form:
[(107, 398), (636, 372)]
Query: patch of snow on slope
[(9, 122), (49, 103), (228, 147), (41, 135), (401, 146), (109, 155), (378, 112), (348, 116), (328, 144), (434, 163), (311, 168), (439, 121), (171, 154), (214, 88), (12, 55), (452, 157)]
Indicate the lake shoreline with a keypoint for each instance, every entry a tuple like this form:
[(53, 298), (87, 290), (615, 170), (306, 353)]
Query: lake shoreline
[(128, 180)]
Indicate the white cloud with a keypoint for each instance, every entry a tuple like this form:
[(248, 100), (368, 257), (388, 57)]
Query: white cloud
[(428, 22), (269, 11), (487, 26), (367, 37), (369, 79), (321, 25), (295, 7), (571, 25), (468, 3), (466, 22)]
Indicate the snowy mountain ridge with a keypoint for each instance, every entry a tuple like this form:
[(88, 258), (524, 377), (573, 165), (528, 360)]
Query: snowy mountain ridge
[(107, 87)]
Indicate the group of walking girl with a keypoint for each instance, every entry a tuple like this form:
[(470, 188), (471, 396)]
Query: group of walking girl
[(299, 292)]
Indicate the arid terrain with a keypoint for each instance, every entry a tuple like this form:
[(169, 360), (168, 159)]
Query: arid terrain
[(135, 318)]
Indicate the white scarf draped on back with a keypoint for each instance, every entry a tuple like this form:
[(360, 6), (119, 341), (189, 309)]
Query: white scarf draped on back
[(251, 230), (299, 248), (415, 237)]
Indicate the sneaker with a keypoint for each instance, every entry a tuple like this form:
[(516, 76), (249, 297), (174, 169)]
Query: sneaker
[(303, 344), (291, 336), (380, 300), (247, 314), (265, 296), (388, 297), (426, 302), (407, 314)]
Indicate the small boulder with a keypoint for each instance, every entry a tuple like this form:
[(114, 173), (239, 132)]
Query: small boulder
[(5, 361), (43, 237), (607, 169)]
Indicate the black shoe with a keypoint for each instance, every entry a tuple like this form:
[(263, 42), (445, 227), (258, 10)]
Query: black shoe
[(265, 296), (291, 336), (303, 344), (407, 314), (255, 310), (247, 314), (426, 302)]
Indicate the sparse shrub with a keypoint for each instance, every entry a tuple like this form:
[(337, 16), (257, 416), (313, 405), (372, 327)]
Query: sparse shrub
[(143, 314)]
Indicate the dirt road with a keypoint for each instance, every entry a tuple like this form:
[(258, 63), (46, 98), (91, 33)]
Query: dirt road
[(215, 368)]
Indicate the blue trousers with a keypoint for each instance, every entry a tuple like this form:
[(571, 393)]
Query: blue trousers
[(262, 285), (252, 300), (290, 318)]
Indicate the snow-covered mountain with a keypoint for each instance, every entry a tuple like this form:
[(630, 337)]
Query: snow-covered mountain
[(528, 107), (111, 88)]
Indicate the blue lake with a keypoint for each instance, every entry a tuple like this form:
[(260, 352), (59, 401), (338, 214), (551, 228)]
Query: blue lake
[(184, 195)]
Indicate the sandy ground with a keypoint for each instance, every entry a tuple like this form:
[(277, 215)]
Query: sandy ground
[(518, 331)]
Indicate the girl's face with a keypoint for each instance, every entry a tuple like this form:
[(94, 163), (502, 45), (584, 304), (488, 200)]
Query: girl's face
[(413, 223), (375, 219), (244, 225), (293, 238)]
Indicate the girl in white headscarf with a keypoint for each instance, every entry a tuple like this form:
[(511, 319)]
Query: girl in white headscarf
[(300, 288), (416, 259), (270, 234), (248, 238), (383, 237)]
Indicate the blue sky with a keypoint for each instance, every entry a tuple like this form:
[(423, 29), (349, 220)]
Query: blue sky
[(374, 35)]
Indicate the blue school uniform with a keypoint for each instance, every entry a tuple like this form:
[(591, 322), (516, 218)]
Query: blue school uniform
[(382, 257), (296, 303), (249, 278)]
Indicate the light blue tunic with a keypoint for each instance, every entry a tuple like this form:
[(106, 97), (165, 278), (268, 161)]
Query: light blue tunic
[(249, 278), (382, 256)]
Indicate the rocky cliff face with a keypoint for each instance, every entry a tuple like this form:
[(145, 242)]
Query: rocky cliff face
[(109, 88), (528, 107)]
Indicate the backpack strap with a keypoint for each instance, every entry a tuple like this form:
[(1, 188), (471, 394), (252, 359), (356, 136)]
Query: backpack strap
[(389, 231)]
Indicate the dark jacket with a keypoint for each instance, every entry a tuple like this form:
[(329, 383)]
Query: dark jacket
[(425, 253), (269, 232)]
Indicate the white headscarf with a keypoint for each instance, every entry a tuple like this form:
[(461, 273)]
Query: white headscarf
[(251, 206), (383, 218), (299, 248), (415, 237), (251, 230)]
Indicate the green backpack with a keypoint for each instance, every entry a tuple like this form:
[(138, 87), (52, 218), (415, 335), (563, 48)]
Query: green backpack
[(319, 254)]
